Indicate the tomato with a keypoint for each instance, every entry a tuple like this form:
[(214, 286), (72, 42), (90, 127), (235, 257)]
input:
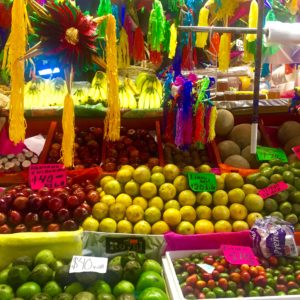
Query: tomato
[(245, 267), (245, 276), (223, 283), (220, 268), (192, 279), (209, 260), (281, 288), (191, 269), (292, 285), (215, 274), (253, 271), (206, 276), (236, 277), (211, 284), (260, 281), (260, 268), (273, 261), (200, 284)]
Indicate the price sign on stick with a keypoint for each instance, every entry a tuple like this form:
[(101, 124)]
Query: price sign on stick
[(273, 189), (81, 264), (296, 150), (269, 153), (48, 175), (202, 182), (238, 255)]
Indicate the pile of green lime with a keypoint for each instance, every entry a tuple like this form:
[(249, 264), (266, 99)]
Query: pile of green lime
[(285, 204), (128, 277)]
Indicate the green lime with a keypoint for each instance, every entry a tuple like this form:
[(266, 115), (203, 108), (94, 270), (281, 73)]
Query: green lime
[(271, 282), (206, 290), (123, 287), (288, 177), (259, 289), (105, 296), (86, 277), (4, 275), (57, 264), (277, 214), (276, 178), (254, 293), (291, 218), (296, 209), (261, 182), (74, 288), (219, 292), (285, 208), (210, 295), (277, 169), (153, 293), (270, 205), (281, 293), (295, 171), (24, 260), (84, 296), (232, 285), (267, 172), (6, 292), (290, 277), (52, 288), (100, 286), (150, 279), (296, 164), (295, 197), (276, 162), (63, 277), (264, 165), (252, 177), (281, 196), (229, 294), (41, 296), (44, 257), (28, 290), (152, 265), (293, 292), (18, 275), (41, 274), (63, 296), (291, 188)]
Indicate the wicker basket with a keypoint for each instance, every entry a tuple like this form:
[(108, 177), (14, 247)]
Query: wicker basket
[(133, 71)]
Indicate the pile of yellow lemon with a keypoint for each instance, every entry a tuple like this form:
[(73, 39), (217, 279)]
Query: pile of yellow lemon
[(145, 201)]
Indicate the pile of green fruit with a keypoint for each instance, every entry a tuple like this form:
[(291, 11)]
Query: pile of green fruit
[(273, 277), (285, 204), (128, 277)]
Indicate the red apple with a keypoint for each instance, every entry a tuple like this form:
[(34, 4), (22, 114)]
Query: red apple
[(55, 204), (80, 194), (134, 153), (87, 207), (90, 187), (63, 215), (20, 203), (47, 217), (44, 191), (53, 227), (57, 191), (31, 219), (20, 228), (93, 197), (36, 203), (3, 205), (75, 186), (80, 213), (64, 196), (37, 228), (69, 225), (3, 218), (5, 229), (14, 217), (73, 201)]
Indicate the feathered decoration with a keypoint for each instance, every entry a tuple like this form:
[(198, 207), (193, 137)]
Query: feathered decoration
[(292, 7), (248, 56), (14, 50), (166, 41), (224, 52), (155, 57), (188, 20), (214, 44), (222, 10), (212, 123), (138, 45), (156, 27), (173, 41), (253, 20), (123, 50), (115, 13), (5, 16), (177, 62), (112, 119), (104, 9), (130, 27), (66, 33), (201, 37)]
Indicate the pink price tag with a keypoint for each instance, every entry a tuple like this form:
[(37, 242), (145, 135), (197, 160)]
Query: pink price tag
[(238, 255), (296, 150), (47, 175), (273, 189), (216, 171)]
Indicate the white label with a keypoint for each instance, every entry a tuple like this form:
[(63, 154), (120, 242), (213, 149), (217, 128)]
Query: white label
[(207, 268), (81, 264)]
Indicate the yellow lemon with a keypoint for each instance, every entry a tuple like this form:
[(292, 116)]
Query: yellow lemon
[(188, 213), (157, 169), (134, 213), (238, 211), (108, 199), (142, 227), (90, 224), (233, 180), (148, 190), (124, 199), (100, 210), (142, 202), (221, 212), (204, 198), (132, 188), (172, 204), (220, 198), (187, 197), (204, 226), (252, 218), (223, 226), (240, 226), (220, 182), (158, 179), (167, 191), (236, 195), (117, 211), (180, 183), (105, 180), (128, 167), (249, 189), (124, 175), (152, 214), (204, 169), (160, 227), (172, 216), (124, 226), (108, 225), (203, 212), (157, 202), (185, 227)]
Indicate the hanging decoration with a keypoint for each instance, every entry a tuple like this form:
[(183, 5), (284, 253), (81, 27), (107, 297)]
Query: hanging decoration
[(224, 52), (14, 49), (138, 45), (173, 41), (123, 50), (253, 20), (104, 9), (156, 32), (201, 37)]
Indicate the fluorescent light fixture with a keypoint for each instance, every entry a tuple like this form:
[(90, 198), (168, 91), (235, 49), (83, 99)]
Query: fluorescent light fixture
[(48, 71)]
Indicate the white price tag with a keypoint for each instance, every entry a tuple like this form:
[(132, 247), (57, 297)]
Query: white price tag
[(207, 268), (80, 264)]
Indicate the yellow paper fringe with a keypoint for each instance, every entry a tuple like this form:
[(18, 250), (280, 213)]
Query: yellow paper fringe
[(68, 119), (112, 119), (253, 20), (212, 123), (224, 52), (248, 57), (123, 50), (173, 41), (16, 48), (201, 37), (292, 6)]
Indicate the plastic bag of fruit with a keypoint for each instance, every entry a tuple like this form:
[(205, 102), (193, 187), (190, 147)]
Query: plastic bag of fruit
[(273, 236)]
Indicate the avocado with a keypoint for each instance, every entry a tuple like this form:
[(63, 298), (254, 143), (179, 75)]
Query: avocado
[(24, 260), (18, 275), (113, 274), (132, 271), (63, 277)]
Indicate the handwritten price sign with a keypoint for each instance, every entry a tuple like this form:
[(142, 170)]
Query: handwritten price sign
[(296, 150), (202, 182), (48, 175), (238, 255), (273, 189), (81, 264), (268, 153)]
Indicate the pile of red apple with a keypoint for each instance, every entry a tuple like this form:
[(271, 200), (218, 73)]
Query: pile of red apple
[(23, 209), (136, 147), (87, 148)]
